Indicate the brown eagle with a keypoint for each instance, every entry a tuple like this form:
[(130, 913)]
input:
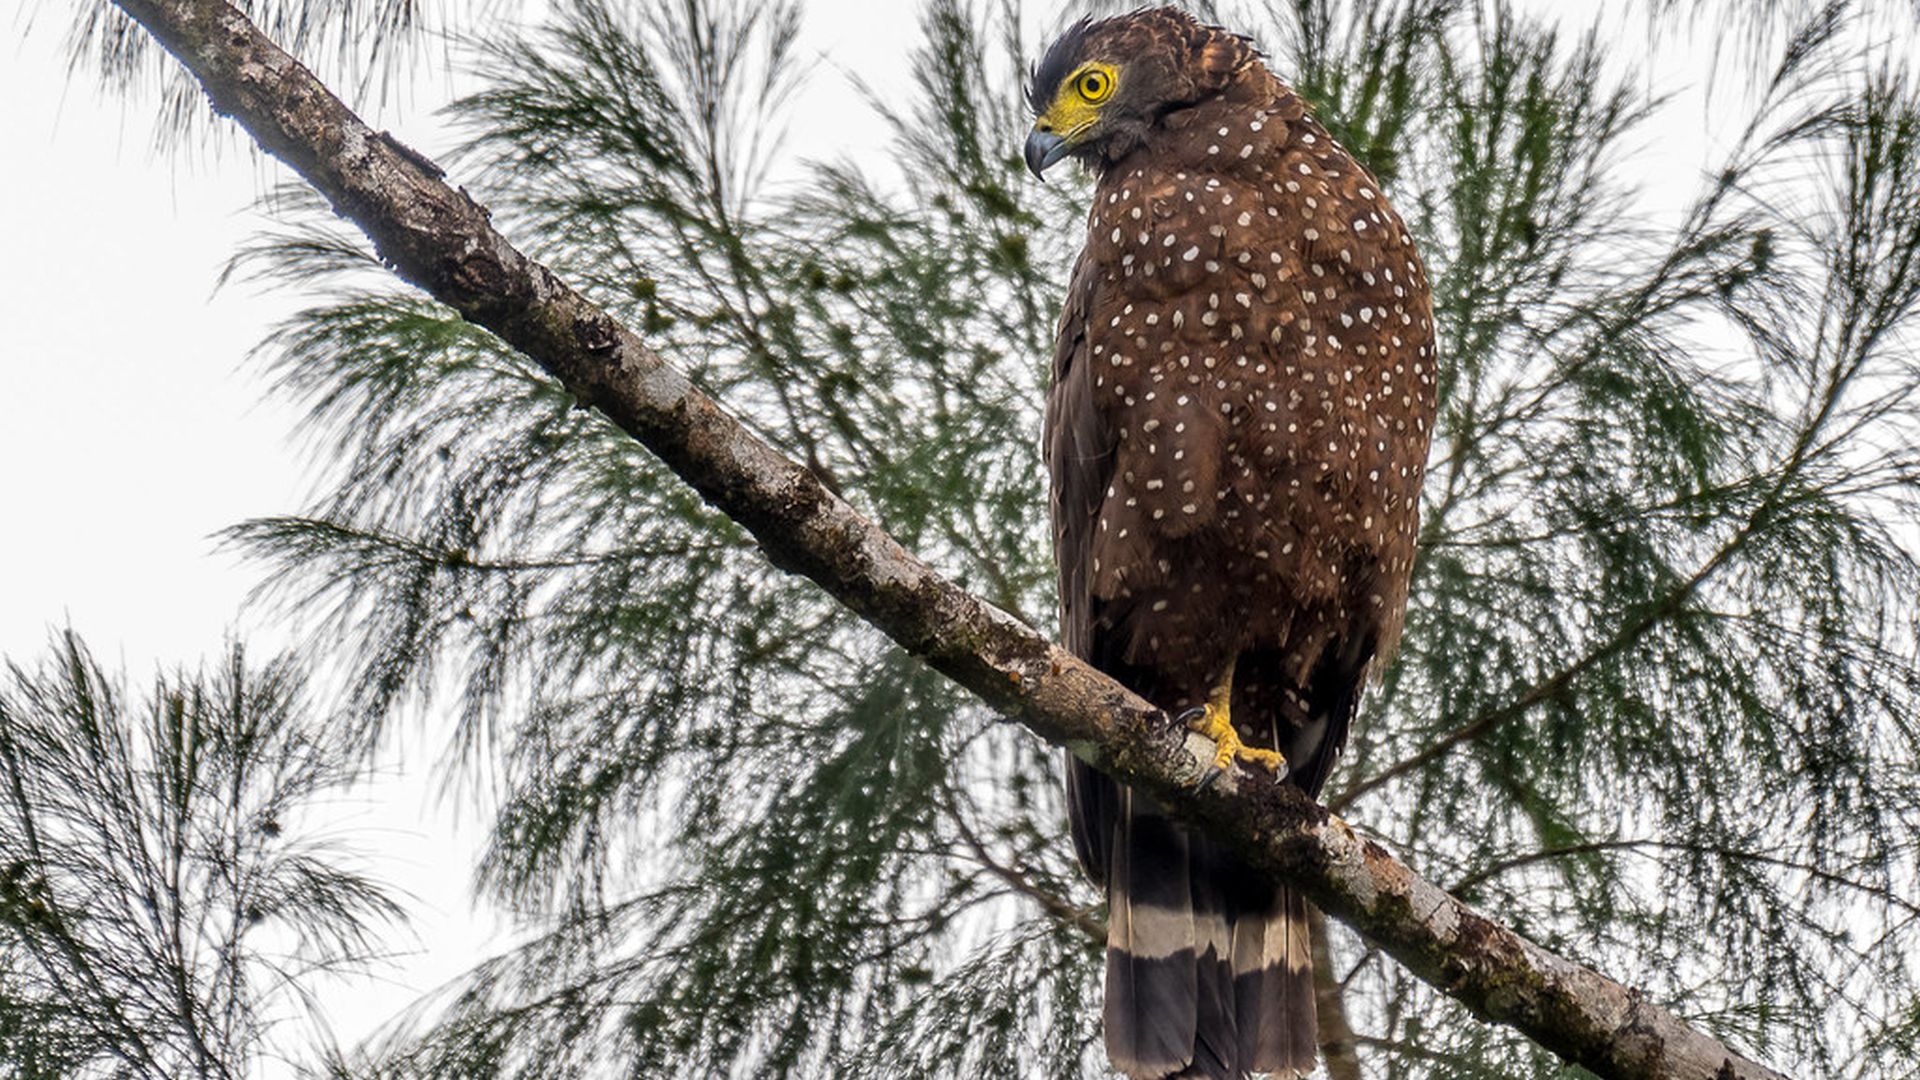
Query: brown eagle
[(1243, 394)]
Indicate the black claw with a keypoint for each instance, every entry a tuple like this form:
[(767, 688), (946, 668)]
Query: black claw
[(1187, 718), (1207, 778)]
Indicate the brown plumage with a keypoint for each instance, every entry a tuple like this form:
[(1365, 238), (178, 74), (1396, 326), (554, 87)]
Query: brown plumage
[(1243, 394)]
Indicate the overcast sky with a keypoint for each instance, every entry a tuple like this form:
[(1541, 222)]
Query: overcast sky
[(132, 427)]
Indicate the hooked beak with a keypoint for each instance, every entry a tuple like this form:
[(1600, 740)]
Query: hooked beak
[(1043, 149)]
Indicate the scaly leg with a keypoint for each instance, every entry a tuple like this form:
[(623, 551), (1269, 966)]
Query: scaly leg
[(1215, 721)]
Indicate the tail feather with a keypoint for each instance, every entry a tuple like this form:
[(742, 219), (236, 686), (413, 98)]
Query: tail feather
[(1287, 1037), (1152, 985), (1254, 984), (1209, 974), (1216, 1030)]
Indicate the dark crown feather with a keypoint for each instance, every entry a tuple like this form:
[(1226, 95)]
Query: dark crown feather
[(1051, 69)]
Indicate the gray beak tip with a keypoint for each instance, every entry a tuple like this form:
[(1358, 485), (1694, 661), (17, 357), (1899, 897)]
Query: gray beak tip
[(1043, 149)]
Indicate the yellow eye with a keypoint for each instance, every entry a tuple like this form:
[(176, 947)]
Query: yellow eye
[(1094, 86)]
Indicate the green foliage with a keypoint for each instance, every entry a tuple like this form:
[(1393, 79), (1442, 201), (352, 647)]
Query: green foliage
[(159, 905), (360, 46), (683, 734), (1655, 706)]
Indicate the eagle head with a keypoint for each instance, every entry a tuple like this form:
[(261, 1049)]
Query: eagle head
[(1104, 87)]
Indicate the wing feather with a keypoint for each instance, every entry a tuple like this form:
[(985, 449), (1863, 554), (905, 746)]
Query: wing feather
[(1079, 450)]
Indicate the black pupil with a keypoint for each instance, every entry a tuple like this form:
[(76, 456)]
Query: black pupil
[(1092, 84)]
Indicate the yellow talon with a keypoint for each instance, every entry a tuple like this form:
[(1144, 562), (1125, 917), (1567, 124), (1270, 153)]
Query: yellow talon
[(1216, 724), (1215, 721)]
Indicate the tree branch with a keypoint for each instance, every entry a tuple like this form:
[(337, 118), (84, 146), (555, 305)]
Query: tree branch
[(439, 239)]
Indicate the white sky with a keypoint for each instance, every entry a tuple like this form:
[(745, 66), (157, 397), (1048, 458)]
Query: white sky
[(132, 429)]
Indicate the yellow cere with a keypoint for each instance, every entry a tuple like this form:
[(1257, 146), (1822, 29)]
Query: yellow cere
[(1077, 105)]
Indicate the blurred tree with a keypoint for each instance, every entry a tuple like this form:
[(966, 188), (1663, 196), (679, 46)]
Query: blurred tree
[(160, 909), (1656, 702)]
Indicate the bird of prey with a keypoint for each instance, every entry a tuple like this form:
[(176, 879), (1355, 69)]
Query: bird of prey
[(1243, 394)]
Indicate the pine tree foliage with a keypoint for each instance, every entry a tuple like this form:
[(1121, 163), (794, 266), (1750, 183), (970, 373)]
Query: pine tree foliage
[(366, 47), (1656, 701), (162, 908)]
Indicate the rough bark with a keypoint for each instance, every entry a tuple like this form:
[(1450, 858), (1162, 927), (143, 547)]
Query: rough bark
[(438, 238)]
